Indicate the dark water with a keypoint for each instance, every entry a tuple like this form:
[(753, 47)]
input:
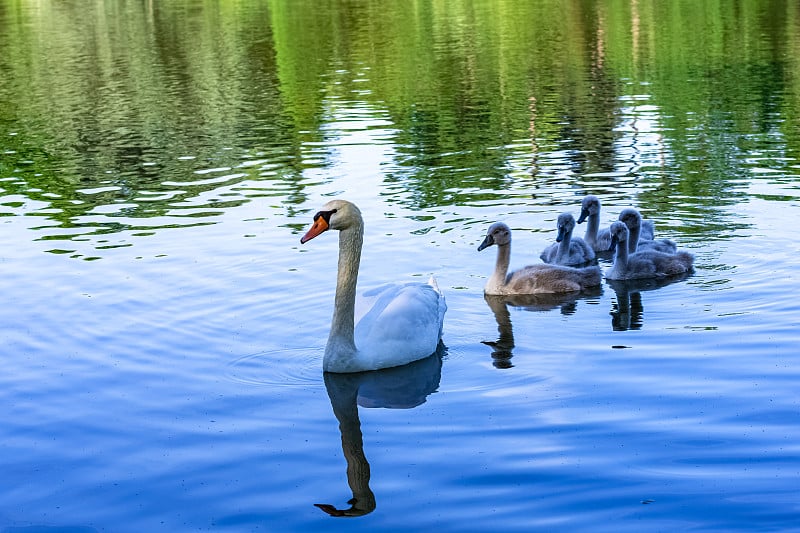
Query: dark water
[(163, 330)]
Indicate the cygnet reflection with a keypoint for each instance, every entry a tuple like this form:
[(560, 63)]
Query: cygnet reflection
[(627, 313), (499, 304)]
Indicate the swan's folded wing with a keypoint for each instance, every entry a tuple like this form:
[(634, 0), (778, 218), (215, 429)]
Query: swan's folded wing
[(397, 306), (399, 318)]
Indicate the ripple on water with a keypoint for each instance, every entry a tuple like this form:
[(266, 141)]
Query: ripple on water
[(283, 367)]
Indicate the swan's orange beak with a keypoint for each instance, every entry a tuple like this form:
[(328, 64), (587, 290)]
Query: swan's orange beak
[(320, 225)]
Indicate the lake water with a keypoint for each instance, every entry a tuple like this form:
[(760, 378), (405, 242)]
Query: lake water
[(163, 329)]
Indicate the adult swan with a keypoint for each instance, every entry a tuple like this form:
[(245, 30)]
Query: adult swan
[(388, 326)]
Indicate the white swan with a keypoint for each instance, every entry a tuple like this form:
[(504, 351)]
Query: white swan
[(644, 264), (633, 220), (567, 250), (600, 239), (533, 279), (394, 324)]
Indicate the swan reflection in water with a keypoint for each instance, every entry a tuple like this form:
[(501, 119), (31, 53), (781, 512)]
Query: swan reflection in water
[(504, 345), (403, 387), (627, 313)]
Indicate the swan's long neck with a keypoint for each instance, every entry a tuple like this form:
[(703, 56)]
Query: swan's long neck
[(592, 227), (633, 238), (341, 342), (498, 278)]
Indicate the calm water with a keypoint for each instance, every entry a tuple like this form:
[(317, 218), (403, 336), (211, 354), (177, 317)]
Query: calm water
[(163, 330)]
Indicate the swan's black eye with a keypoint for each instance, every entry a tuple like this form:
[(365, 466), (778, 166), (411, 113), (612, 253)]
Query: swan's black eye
[(326, 215)]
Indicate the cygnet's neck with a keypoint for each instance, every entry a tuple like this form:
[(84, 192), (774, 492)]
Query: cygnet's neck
[(621, 257), (592, 228), (633, 237), (498, 278), (341, 342), (563, 248)]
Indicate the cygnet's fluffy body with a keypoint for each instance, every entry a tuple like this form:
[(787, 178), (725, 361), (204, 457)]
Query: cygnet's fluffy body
[(633, 220), (567, 250), (532, 279), (600, 238), (646, 263)]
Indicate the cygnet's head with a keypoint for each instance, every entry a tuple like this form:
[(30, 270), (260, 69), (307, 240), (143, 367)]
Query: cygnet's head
[(619, 234), (590, 205), (336, 214), (565, 225), (631, 217), (498, 234)]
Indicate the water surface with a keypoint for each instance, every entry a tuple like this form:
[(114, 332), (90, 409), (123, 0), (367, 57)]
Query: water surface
[(163, 329)]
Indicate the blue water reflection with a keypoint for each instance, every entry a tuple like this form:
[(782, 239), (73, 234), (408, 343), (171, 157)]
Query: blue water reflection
[(628, 311), (403, 387), (162, 332)]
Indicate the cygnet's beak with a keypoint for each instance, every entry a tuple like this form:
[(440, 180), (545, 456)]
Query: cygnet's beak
[(562, 232), (487, 242)]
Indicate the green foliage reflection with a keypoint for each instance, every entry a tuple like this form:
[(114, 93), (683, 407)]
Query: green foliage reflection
[(485, 99)]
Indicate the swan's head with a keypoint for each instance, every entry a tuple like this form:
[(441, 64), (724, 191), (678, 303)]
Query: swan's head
[(631, 217), (336, 214), (565, 225), (619, 234), (590, 205), (498, 234)]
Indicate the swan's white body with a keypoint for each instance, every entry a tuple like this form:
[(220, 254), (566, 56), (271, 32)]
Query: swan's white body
[(388, 326), (533, 279), (567, 250), (600, 239), (646, 263), (633, 220)]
